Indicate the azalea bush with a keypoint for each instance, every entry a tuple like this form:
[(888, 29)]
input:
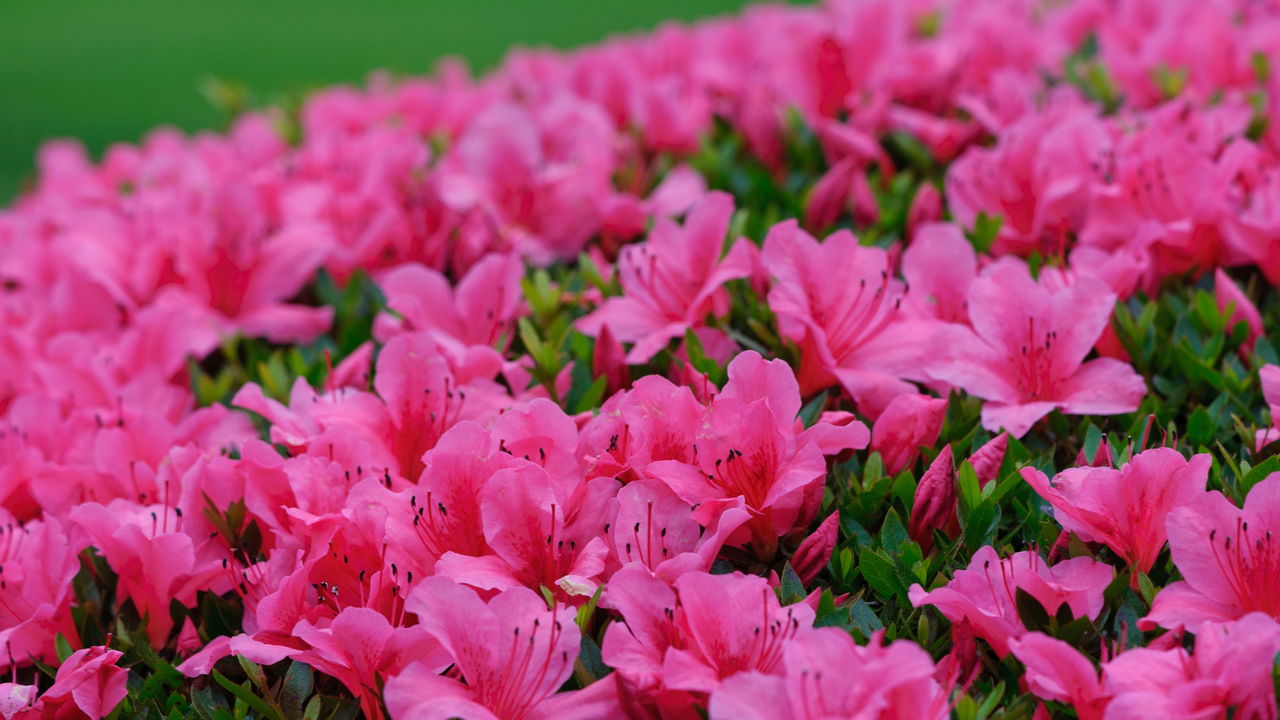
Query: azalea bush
[(880, 359)]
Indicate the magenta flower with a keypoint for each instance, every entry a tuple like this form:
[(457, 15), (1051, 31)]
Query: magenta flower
[(1229, 669), (511, 655), (826, 675), (89, 682), (673, 281), (471, 321), (1229, 558), (1025, 354), (1057, 671), (749, 450), (1230, 298), (539, 533), (909, 422), (362, 649), (156, 560), (711, 628), (1125, 509), (655, 529), (838, 301), (939, 266), (655, 420), (37, 564), (1269, 376), (985, 593)]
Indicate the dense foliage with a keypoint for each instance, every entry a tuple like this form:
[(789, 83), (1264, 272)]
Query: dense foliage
[(882, 360)]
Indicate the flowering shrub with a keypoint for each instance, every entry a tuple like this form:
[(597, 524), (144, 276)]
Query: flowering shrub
[(880, 359)]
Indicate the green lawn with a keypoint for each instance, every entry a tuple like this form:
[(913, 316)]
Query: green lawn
[(107, 70)]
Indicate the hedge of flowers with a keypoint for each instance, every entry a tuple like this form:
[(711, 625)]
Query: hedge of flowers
[(882, 359)]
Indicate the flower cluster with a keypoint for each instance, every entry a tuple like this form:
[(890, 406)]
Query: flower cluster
[(601, 386)]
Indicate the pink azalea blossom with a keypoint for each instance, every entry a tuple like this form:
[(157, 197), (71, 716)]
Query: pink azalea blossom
[(362, 649), (511, 655), (1057, 671), (1231, 299), (1269, 376), (939, 266), (748, 447), (851, 331), (1228, 670), (89, 684), (671, 282), (1026, 352), (1229, 558), (37, 564), (827, 676), (986, 460), (909, 422), (1126, 508), (711, 628), (985, 593)]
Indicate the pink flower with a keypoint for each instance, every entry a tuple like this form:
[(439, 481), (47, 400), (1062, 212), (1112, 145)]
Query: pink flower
[(909, 422), (655, 529), (1229, 558), (712, 627), (1231, 298), (827, 676), (985, 592), (37, 564), (1269, 376), (749, 448), (851, 330), (362, 649), (1126, 508), (88, 681), (511, 655), (671, 282), (939, 266), (539, 532), (157, 562), (655, 420), (1025, 353), (474, 318), (1057, 671), (1230, 669), (231, 260), (1036, 178)]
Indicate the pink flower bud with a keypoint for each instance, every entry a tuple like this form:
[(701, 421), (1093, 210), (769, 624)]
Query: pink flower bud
[(987, 459), (609, 361), (935, 505), (815, 551)]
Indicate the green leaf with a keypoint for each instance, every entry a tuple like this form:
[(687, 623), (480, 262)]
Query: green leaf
[(299, 682), (590, 659), (863, 618), (810, 413), (981, 526), (791, 590), (1092, 440), (1200, 427), (892, 533), (1032, 614), (245, 694), (878, 570), (62, 647)]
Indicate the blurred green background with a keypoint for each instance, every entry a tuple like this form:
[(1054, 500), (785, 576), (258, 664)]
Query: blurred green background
[(104, 71)]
